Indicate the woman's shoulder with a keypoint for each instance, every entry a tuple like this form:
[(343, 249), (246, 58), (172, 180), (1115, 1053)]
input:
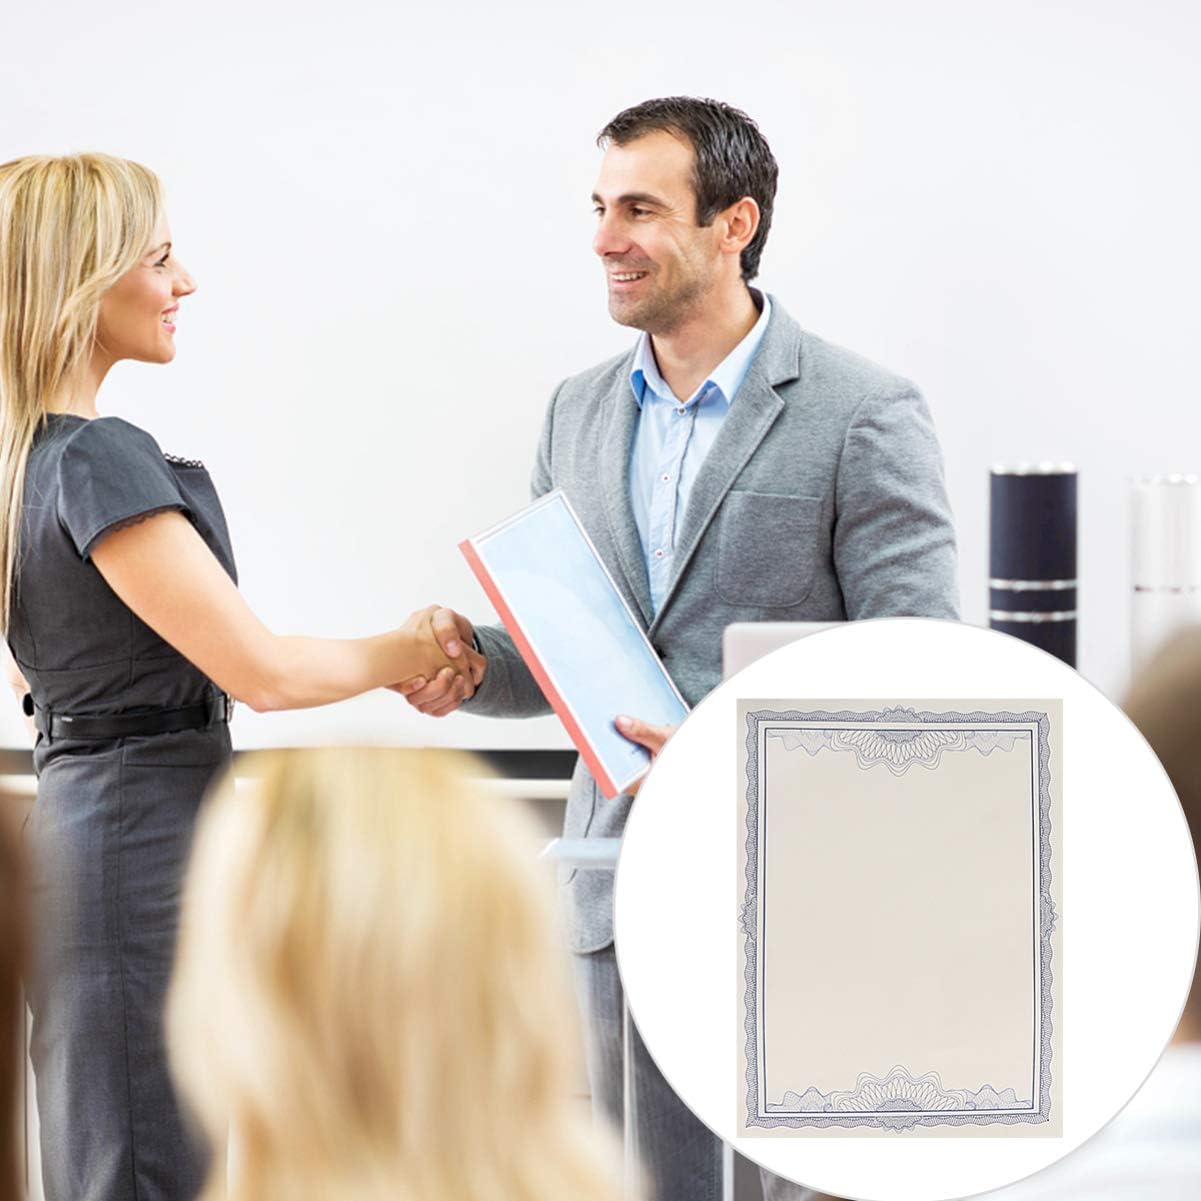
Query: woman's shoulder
[(86, 443), (101, 472), (82, 432)]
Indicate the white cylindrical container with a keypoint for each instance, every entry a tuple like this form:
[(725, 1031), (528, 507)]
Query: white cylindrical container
[(1165, 561)]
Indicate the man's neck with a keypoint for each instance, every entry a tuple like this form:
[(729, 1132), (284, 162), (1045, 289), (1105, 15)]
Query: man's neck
[(687, 354)]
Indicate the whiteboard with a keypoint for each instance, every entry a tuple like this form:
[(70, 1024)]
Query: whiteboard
[(387, 213)]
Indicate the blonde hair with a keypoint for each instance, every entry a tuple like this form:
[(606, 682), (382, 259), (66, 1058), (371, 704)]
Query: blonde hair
[(371, 993), (70, 227)]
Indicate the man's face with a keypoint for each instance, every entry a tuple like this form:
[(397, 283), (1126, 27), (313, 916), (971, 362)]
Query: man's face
[(660, 265)]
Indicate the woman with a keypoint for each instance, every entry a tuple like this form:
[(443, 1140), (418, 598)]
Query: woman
[(117, 586), (370, 993)]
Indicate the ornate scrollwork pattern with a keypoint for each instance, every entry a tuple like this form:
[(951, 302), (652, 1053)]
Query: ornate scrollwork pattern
[(901, 747), (899, 1100)]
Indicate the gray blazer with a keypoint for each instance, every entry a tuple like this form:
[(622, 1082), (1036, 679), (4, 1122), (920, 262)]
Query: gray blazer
[(822, 499)]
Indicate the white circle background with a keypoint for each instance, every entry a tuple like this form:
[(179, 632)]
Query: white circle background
[(1128, 903)]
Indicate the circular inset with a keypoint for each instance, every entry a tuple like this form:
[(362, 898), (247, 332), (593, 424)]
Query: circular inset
[(928, 899)]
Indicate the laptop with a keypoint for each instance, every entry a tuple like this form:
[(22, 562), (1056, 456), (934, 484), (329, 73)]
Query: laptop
[(745, 641)]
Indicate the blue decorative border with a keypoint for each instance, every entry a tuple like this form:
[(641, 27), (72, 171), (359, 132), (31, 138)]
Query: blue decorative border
[(962, 1107)]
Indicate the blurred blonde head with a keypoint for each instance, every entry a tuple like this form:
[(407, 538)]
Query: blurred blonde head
[(70, 228), (12, 960), (370, 990)]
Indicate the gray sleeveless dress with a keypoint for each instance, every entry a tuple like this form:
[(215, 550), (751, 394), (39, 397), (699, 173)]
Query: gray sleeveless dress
[(112, 825)]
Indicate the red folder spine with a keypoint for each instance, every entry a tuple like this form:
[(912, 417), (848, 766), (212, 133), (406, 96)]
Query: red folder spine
[(604, 781)]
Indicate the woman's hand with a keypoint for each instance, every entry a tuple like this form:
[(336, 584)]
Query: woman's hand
[(444, 691), (427, 656)]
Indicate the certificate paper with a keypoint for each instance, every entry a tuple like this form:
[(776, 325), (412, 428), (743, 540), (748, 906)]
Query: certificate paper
[(577, 636), (900, 960)]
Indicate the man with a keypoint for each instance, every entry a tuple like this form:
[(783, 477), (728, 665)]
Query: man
[(731, 467)]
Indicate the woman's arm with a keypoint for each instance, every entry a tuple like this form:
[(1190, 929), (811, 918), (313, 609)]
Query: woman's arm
[(163, 570)]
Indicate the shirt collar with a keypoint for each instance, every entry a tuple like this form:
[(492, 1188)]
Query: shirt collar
[(726, 377)]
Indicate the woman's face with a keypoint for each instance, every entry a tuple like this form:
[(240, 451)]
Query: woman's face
[(138, 314)]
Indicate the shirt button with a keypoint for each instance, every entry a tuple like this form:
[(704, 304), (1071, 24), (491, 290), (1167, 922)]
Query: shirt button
[(658, 554), (681, 410), (667, 479)]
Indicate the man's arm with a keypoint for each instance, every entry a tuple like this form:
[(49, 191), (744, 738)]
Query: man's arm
[(894, 536)]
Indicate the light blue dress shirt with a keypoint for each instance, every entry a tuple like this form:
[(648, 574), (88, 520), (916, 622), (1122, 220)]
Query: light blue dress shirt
[(671, 442)]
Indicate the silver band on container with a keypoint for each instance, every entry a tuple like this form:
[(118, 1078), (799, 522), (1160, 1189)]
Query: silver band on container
[(1033, 585), (1042, 468), (1174, 477), (1026, 615)]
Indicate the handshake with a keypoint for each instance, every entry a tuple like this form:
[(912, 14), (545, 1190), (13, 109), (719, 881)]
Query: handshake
[(442, 666), (447, 669)]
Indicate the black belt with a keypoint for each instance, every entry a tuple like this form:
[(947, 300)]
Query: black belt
[(217, 708)]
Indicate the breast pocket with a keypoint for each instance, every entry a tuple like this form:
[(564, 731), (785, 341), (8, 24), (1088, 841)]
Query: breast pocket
[(767, 548)]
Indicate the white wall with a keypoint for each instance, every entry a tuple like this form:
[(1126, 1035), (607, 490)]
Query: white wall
[(387, 212)]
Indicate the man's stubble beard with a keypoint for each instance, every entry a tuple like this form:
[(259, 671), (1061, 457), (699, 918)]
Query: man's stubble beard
[(661, 315)]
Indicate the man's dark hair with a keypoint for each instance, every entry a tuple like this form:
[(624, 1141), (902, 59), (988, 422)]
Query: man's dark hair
[(732, 158)]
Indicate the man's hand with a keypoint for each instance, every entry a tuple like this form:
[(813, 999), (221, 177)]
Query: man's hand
[(643, 733), (447, 690)]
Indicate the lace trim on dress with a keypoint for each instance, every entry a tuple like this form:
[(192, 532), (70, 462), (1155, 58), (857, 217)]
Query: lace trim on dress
[(138, 518)]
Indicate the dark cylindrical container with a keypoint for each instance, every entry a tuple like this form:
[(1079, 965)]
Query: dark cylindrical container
[(1032, 555)]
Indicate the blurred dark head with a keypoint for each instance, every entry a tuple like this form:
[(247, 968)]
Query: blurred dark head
[(1165, 703)]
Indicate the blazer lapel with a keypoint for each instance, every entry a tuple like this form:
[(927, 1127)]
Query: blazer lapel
[(617, 442), (752, 413)]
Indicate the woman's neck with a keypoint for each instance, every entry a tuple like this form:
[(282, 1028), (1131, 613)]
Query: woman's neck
[(78, 397), (74, 408)]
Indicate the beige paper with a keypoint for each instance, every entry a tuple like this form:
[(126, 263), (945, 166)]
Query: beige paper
[(899, 951)]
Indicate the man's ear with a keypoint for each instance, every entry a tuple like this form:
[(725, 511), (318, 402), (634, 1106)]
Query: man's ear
[(740, 220)]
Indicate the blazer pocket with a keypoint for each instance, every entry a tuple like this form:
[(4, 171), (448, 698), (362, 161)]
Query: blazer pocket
[(767, 548)]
